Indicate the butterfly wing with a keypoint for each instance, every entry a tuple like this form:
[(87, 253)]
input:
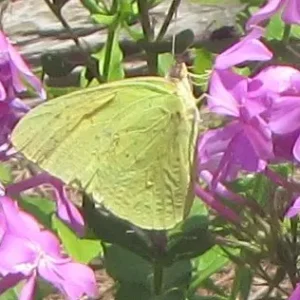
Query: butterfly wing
[(129, 144)]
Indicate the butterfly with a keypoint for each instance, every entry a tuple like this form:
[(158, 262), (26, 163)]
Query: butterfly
[(130, 144)]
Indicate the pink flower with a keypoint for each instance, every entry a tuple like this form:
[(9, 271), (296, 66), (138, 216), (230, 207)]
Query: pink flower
[(249, 48), (66, 210), (296, 293), (222, 151), (27, 251), (13, 71), (275, 81), (290, 14)]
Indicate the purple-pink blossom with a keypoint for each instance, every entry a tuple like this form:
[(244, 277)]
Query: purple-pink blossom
[(28, 252), (66, 210), (262, 119), (290, 12), (296, 293), (222, 151), (249, 48), (13, 72)]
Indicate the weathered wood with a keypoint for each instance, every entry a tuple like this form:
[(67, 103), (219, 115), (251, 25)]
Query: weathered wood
[(34, 29)]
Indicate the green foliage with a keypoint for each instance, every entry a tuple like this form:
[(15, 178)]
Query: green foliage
[(41, 208), (242, 283), (165, 62), (202, 66), (81, 249), (5, 174), (275, 28), (136, 276), (11, 294), (206, 265)]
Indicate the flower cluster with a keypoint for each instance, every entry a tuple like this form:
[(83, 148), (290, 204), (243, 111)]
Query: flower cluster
[(262, 113), (26, 250)]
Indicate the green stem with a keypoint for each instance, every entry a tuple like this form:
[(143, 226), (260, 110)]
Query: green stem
[(148, 35), (158, 272), (286, 34), (172, 9), (112, 31), (89, 62), (145, 20)]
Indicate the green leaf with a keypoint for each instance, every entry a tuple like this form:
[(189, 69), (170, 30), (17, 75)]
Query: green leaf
[(92, 6), (275, 28), (127, 267), (82, 250), (206, 265), (202, 66), (130, 291), (183, 40), (5, 174), (103, 19), (191, 238), (55, 65), (295, 31), (110, 57), (203, 61), (243, 71), (242, 283), (41, 208), (135, 33), (11, 294), (177, 275), (194, 240), (165, 62)]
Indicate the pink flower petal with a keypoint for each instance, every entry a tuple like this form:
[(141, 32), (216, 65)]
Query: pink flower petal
[(285, 115), (28, 290), (291, 13), (226, 89), (67, 211), (294, 209), (296, 293), (73, 279), (248, 48), (265, 12)]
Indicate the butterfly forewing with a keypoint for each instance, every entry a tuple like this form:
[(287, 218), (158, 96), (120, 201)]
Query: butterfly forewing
[(130, 144)]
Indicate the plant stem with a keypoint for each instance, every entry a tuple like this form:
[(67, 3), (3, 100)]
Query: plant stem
[(89, 62), (148, 34), (158, 272), (112, 31), (286, 34), (145, 20), (172, 9)]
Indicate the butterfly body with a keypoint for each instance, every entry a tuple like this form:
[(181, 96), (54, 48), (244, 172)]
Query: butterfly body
[(130, 144)]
